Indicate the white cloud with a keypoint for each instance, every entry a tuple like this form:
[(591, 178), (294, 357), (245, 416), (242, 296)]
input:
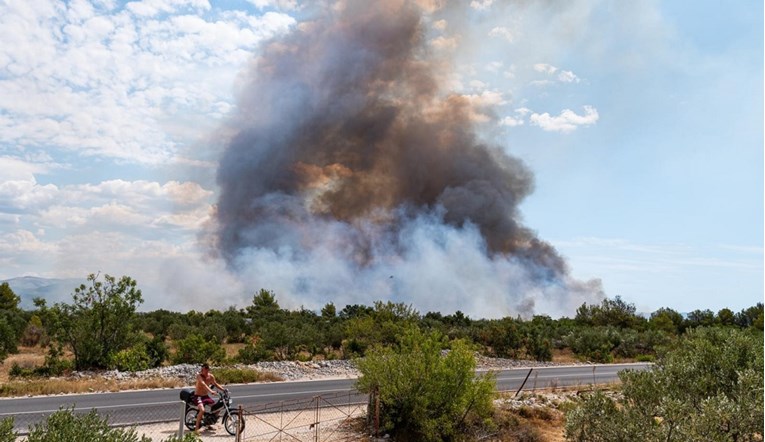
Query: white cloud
[(103, 81), (567, 121), (280, 4), (523, 111), (440, 25), (481, 4), (568, 77), (563, 76), (545, 68), (511, 121), (503, 32), (518, 120), (154, 7), (494, 66), (486, 99)]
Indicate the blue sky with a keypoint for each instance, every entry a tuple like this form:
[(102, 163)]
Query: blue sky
[(641, 121)]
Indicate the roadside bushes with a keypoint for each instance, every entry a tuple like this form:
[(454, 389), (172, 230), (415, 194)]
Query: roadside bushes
[(426, 393), (65, 426), (707, 387), (602, 344)]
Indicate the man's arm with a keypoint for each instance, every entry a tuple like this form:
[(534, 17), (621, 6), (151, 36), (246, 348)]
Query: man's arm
[(215, 382)]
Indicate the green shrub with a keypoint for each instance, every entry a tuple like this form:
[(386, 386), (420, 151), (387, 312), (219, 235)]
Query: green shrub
[(194, 349), (593, 343), (157, 351), (64, 425), (6, 431), (227, 375), (645, 358), (251, 354), (18, 371), (426, 395), (132, 359), (708, 387)]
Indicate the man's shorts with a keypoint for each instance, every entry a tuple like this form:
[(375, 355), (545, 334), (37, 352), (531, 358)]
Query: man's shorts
[(202, 400)]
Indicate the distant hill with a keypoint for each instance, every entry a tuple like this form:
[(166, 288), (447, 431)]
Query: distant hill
[(52, 290)]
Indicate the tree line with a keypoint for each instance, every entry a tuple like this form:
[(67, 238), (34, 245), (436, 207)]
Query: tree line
[(103, 329)]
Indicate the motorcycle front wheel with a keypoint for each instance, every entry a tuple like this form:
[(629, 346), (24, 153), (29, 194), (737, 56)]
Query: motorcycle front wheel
[(190, 419), (230, 422)]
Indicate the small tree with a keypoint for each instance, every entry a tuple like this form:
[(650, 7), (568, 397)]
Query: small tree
[(12, 322), (425, 394), (8, 299), (99, 322)]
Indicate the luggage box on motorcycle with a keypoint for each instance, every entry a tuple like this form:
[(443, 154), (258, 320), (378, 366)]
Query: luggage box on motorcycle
[(186, 394)]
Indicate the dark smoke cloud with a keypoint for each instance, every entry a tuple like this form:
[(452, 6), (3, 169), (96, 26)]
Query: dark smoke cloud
[(349, 165)]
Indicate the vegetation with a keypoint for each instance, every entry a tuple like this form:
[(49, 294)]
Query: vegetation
[(709, 386), (708, 377), (425, 395), (102, 329), (65, 425), (99, 322)]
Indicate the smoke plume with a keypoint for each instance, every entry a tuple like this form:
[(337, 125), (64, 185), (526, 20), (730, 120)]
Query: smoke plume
[(352, 175)]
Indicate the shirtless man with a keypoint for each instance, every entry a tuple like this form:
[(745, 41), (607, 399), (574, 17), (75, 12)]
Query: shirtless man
[(203, 391)]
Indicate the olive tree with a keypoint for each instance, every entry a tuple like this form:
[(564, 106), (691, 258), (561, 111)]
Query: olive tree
[(12, 322), (708, 388), (99, 322), (426, 394)]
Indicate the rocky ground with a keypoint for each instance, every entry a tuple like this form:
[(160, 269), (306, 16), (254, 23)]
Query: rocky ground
[(294, 371)]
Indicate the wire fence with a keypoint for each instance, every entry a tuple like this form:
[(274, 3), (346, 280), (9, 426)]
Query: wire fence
[(321, 418), (324, 418)]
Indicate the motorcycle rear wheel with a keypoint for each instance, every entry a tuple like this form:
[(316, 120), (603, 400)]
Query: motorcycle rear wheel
[(190, 419)]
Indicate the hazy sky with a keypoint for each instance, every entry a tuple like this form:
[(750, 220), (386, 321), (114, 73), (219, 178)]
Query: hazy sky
[(642, 123)]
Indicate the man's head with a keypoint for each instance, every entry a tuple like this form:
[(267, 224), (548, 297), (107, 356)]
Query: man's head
[(205, 368)]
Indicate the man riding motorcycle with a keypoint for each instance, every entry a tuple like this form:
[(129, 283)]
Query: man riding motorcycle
[(202, 392)]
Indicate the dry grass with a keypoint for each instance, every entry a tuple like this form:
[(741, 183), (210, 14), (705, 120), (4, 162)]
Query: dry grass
[(36, 387), (27, 357), (564, 356), (32, 357), (232, 350)]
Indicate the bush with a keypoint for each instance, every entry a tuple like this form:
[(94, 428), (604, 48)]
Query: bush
[(6, 430), (254, 353), (426, 395), (237, 375), (132, 359), (196, 350), (709, 387), (157, 351), (64, 425), (593, 343)]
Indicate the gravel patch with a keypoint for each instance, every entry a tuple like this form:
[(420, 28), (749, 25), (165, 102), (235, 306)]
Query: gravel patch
[(295, 370)]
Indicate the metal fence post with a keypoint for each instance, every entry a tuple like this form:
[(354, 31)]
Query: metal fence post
[(524, 382), (316, 420), (377, 412), (239, 424), (182, 420)]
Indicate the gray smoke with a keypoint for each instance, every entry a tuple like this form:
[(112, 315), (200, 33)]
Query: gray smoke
[(350, 175)]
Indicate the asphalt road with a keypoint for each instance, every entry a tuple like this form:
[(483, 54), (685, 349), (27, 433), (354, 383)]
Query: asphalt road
[(164, 405)]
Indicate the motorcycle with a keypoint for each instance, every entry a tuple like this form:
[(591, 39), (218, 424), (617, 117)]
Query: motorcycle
[(221, 408)]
